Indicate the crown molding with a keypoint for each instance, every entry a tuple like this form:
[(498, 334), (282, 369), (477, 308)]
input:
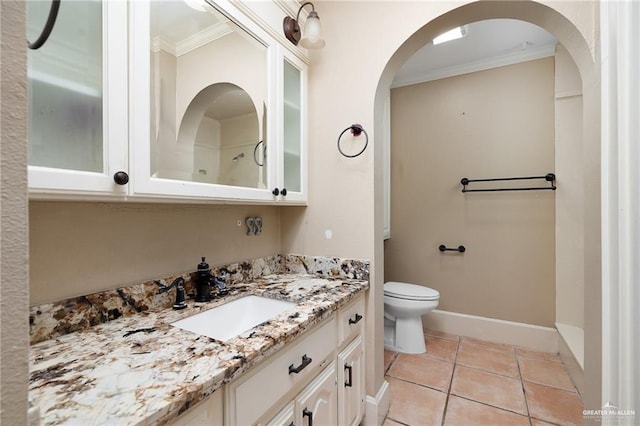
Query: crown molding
[(529, 54), (160, 43), (203, 37), (192, 42)]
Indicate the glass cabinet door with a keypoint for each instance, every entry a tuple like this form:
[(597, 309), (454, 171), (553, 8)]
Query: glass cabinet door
[(65, 87), (292, 118), (71, 116), (293, 150)]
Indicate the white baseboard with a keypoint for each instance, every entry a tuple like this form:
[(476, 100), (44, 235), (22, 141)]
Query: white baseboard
[(569, 358), (376, 407), (574, 339), (544, 339)]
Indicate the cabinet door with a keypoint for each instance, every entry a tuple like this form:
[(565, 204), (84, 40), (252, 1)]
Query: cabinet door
[(202, 109), (77, 98), (284, 417), (292, 170), (317, 404), (351, 383)]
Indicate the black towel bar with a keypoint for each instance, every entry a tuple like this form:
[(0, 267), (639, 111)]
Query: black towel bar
[(549, 177)]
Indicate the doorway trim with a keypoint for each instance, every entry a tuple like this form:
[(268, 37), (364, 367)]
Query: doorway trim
[(620, 67)]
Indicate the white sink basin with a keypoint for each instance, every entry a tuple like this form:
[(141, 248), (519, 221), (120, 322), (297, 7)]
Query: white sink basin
[(226, 321)]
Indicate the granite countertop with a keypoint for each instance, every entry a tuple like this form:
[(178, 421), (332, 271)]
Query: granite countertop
[(142, 370)]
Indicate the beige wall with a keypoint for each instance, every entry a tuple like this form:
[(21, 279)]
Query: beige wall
[(80, 248), (14, 295), (494, 123), (570, 193)]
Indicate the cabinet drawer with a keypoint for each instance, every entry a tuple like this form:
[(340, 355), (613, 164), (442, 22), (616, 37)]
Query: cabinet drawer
[(351, 320), (250, 397)]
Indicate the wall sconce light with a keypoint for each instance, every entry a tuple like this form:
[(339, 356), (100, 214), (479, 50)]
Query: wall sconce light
[(312, 30)]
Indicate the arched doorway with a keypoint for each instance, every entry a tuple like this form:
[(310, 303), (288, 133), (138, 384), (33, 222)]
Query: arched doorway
[(579, 50)]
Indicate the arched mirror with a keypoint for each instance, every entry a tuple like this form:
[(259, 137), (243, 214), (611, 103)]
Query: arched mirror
[(208, 97)]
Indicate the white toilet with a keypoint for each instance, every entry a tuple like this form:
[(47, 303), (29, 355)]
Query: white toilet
[(404, 305)]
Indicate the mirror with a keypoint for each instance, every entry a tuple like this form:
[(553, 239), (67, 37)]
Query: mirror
[(208, 97)]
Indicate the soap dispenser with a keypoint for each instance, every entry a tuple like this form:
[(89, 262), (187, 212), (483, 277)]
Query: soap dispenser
[(203, 279)]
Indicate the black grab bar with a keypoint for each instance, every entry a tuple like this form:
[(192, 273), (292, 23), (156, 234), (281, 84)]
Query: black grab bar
[(549, 177), (460, 249)]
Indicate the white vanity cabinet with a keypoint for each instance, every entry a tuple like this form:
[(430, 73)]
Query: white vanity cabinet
[(77, 100), (208, 412), (317, 403), (198, 104), (328, 390)]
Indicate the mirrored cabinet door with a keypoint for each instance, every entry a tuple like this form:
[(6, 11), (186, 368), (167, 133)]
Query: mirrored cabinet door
[(208, 103), (77, 104)]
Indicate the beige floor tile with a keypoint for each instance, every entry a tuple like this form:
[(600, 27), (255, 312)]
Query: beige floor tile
[(495, 359), (441, 348), (422, 370), (415, 405), (500, 347), (462, 412), (543, 372), (442, 335), (528, 353), (389, 422), (389, 356), (553, 405), (536, 422), (498, 391)]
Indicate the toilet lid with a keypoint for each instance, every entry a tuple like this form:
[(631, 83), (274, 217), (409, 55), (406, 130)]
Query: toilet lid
[(410, 291)]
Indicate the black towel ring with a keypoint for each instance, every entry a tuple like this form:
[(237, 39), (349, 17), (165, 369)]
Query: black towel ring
[(48, 27), (356, 130)]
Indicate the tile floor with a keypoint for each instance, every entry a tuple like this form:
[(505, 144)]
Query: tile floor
[(469, 382)]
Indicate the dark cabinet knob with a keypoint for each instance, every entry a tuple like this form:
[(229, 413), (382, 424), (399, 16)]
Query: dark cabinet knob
[(121, 178), (282, 192)]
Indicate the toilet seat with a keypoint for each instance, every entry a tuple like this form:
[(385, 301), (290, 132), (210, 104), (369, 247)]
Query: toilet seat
[(410, 291)]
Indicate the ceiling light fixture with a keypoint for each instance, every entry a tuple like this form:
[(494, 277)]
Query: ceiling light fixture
[(453, 34), (312, 30)]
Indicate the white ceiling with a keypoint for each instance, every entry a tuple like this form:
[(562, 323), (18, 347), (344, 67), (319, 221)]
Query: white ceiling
[(175, 21), (490, 43)]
